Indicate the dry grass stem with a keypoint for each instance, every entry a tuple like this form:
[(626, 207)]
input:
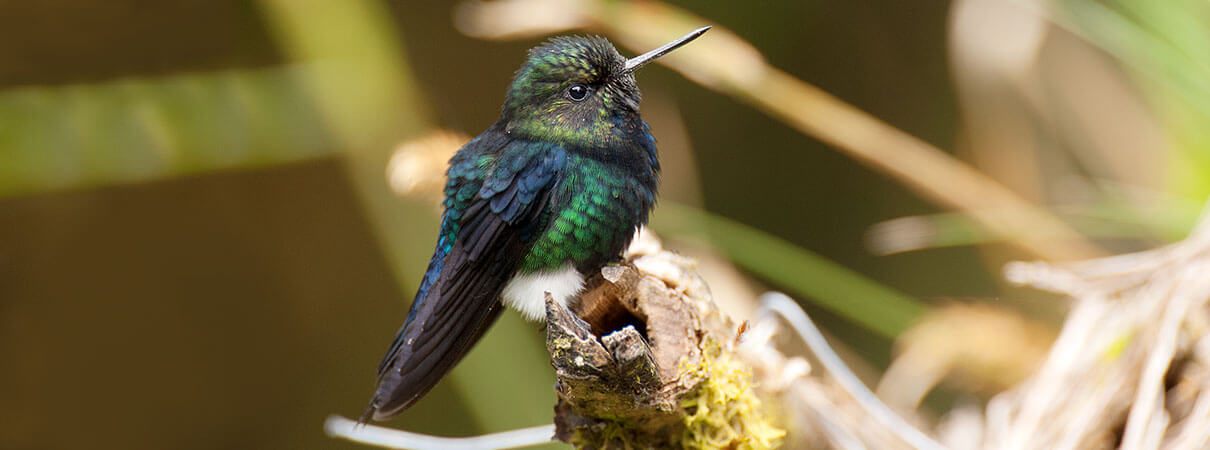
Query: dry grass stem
[(1129, 368)]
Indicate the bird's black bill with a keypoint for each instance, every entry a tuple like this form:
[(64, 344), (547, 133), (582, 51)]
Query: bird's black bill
[(633, 64)]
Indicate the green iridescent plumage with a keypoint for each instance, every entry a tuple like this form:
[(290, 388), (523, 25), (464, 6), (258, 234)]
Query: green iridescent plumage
[(553, 190), (599, 212), (536, 108)]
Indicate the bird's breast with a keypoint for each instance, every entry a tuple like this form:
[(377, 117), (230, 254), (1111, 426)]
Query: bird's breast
[(592, 215)]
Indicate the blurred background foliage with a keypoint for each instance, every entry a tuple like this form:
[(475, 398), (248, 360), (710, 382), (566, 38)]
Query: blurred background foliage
[(199, 247)]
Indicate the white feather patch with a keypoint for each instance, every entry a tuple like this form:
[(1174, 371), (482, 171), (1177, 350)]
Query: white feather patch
[(527, 293)]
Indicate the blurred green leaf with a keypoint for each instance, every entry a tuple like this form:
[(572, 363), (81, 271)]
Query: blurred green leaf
[(1167, 45), (807, 275), (134, 130)]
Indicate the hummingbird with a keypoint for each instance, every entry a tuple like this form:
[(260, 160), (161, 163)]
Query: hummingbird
[(550, 193)]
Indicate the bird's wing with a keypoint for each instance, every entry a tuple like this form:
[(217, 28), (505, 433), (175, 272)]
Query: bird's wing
[(491, 231)]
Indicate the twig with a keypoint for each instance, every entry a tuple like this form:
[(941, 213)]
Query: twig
[(789, 310), (341, 427)]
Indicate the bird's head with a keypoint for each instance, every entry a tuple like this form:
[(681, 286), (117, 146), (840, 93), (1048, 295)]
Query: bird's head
[(578, 90)]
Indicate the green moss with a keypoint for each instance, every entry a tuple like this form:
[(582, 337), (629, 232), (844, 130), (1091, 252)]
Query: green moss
[(724, 411)]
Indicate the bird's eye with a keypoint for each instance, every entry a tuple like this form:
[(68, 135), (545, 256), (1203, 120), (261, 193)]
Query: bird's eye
[(577, 92)]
